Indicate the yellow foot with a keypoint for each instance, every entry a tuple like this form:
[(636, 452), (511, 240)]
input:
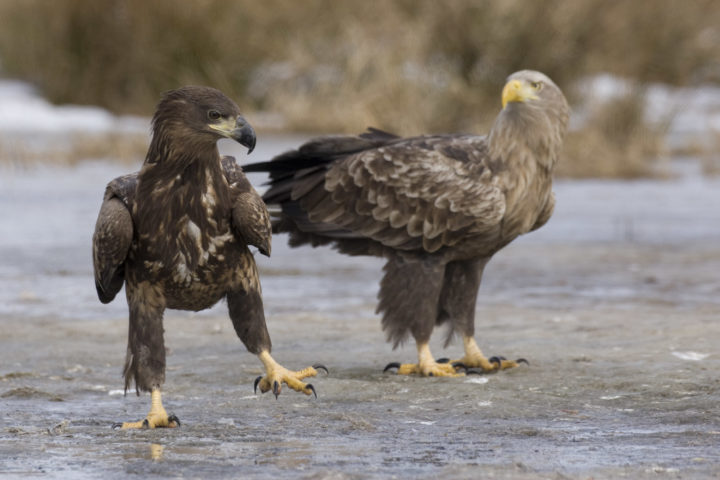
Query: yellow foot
[(433, 369), (277, 375), (151, 421), (474, 359), (156, 418), (426, 366)]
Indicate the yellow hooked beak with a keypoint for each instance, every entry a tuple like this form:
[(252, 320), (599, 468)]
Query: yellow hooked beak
[(518, 91)]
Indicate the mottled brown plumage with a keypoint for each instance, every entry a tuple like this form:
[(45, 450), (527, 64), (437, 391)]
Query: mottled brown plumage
[(177, 232), (437, 207)]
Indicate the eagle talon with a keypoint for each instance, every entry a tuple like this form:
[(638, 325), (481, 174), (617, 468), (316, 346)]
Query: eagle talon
[(522, 360), (116, 426), (145, 424), (255, 385), (497, 360), (173, 418), (442, 360), (390, 366), (310, 387), (276, 389), (320, 366), (459, 365)]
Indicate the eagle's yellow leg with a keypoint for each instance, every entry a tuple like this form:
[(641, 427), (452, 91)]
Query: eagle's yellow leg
[(474, 358), (426, 366), (276, 375), (157, 417)]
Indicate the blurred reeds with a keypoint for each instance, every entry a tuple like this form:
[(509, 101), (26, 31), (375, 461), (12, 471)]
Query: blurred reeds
[(408, 66)]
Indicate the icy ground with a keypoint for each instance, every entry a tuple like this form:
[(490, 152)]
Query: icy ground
[(615, 301)]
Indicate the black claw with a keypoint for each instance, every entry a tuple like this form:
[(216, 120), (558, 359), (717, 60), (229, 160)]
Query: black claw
[(257, 380), (276, 389), (497, 360), (460, 365), (522, 360), (117, 425), (320, 366), (474, 371), (309, 386), (145, 424), (442, 360), (174, 418), (390, 366)]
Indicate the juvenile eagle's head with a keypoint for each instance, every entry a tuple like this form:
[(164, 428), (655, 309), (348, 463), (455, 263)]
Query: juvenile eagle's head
[(199, 117)]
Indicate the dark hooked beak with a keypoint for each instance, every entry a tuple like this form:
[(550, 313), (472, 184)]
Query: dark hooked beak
[(244, 134)]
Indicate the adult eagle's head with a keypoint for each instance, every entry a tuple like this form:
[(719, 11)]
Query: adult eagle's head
[(535, 114), (196, 118)]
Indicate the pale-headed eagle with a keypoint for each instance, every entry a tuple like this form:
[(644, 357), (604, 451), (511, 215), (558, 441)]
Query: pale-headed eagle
[(177, 232), (436, 207)]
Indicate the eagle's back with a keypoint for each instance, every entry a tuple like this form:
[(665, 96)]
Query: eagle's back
[(429, 195)]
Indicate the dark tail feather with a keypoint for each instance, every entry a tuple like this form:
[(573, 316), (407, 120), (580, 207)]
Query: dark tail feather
[(320, 151)]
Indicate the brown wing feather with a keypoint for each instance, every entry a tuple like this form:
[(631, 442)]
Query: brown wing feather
[(422, 192), (250, 218), (111, 242)]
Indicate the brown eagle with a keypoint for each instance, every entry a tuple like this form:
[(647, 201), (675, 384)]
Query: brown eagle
[(437, 207), (176, 233)]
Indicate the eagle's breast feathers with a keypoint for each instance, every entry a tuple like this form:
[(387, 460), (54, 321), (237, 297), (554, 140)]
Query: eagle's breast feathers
[(193, 233)]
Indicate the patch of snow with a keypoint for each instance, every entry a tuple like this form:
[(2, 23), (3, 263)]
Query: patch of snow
[(23, 110), (690, 356), (479, 380), (121, 392), (419, 422)]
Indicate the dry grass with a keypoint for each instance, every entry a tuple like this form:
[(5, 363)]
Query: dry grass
[(126, 148), (711, 156), (409, 66), (616, 141)]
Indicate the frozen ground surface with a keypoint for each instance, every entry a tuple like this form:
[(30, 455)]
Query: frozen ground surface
[(616, 303)]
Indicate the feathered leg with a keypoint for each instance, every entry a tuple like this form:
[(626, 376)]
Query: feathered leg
[(145, 361), (409, 294), (246, 312), (457, 307)]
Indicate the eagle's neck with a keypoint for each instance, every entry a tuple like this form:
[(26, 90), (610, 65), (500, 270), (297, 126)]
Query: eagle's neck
[(527, 135), (173, 149), (524, 145)]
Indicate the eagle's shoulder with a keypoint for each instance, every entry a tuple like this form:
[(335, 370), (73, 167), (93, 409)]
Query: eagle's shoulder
[(235, 176), (250, 218), (232, 170), (124, 188)]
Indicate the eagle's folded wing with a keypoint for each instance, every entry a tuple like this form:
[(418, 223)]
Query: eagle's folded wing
[(419, 194), (250, 218), (113, 236)]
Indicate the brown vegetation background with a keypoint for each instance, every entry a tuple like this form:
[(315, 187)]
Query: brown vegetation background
[(408, 66)]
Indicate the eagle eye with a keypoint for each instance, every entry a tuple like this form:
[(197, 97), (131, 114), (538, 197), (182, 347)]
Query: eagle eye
[(537, 85), (214, 115)]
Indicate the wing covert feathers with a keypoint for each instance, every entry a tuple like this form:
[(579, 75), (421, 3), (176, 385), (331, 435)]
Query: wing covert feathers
[(111, 242), (406, 195), (250, 217)]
